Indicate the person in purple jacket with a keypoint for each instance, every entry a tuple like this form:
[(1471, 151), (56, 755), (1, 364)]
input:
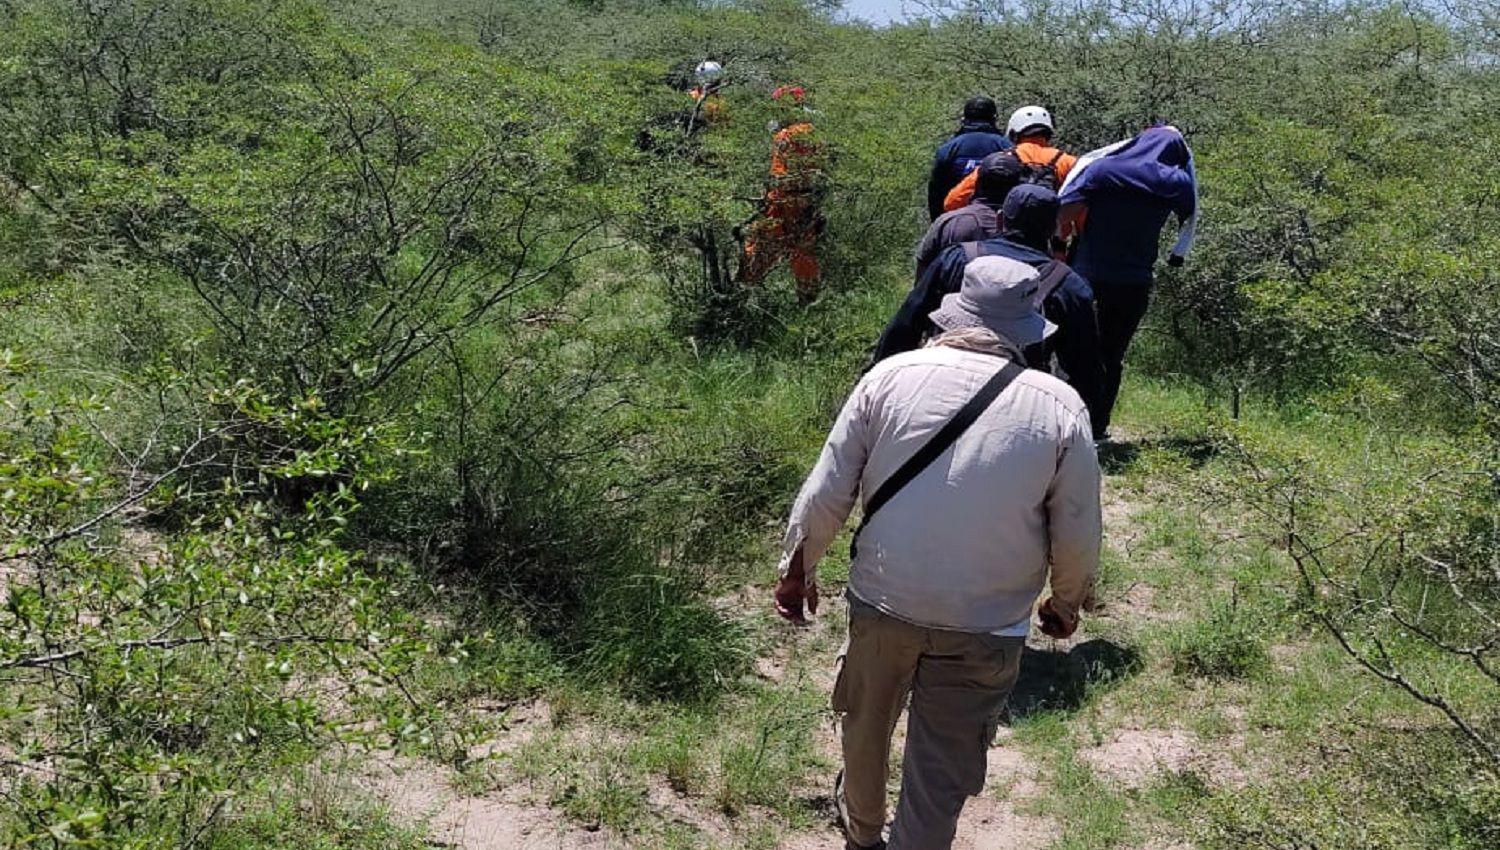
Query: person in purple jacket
[(1114, 206)]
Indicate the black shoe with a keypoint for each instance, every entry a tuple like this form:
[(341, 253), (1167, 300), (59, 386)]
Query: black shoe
[(850, 845)]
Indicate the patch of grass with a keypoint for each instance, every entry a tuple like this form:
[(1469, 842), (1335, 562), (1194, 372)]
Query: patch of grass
[(674, 751), (770, 751), (762, 836), (1179, 794), (500, 662), (1358, 788), (1227, 644), (1313, 690), (1041, 729), (1213, 722), (649, 636), (314, 814), (1167, 529), (1092, 814), (590, 778), (1327, 809), (1113, 582), (748, 755), (677, 836), (605, 793)]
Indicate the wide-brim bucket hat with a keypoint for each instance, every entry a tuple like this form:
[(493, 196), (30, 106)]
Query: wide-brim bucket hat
[(998, 294)]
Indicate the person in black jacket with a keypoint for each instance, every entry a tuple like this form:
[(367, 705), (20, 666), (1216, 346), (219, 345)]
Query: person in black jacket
[(1029, 218), (978, 136), (999, 173)]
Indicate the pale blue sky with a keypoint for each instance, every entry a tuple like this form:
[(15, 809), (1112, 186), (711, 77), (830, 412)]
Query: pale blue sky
[(875, 11)]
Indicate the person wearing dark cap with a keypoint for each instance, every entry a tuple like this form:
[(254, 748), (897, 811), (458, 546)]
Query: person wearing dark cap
[(978, 485), (978, 136), (1028, 220), (998, 174)]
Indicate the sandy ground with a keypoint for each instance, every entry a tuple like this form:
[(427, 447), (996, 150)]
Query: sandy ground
[(1003, 816)]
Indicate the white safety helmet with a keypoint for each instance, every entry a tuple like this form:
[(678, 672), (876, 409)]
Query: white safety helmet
[(708, 70), (1027, 117)]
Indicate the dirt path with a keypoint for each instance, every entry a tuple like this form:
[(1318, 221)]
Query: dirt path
[(1006, 814), (424, 795)]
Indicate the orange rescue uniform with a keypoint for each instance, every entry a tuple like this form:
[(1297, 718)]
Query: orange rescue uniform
[(789, 228), (709, 106), (1032, 150)]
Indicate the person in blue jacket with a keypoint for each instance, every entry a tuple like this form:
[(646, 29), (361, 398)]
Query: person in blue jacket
[(1029, 219), (978, 136), (1115, 205)]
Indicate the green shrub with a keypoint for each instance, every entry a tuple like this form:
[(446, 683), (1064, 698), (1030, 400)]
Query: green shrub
[(148, 679), (1229, 643)]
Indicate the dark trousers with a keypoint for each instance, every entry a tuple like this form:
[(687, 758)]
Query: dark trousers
[(1121, 308)]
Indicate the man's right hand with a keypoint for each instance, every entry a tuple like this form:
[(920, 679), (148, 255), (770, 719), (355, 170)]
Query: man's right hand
[(1053, 623), (792, 590)]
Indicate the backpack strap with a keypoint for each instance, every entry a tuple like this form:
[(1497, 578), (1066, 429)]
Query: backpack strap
[(1052, 274), (934, 448), (972, 251), (1055, 157)]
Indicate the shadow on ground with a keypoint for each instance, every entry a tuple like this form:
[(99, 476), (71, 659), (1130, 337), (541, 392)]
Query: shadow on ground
[(1060, 679), (1118, 457)]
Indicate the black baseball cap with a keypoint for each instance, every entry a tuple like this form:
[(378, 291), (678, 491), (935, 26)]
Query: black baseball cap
[(980, 108), (999, 172)]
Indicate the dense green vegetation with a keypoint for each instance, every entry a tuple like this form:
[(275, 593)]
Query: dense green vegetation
[(364, 365)]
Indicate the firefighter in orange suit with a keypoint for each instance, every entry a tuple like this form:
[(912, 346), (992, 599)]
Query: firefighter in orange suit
[(792, 217)]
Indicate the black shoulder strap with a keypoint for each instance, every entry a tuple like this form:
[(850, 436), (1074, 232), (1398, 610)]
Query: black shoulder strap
[(1055, 157), (945, 437), (1053, 272)]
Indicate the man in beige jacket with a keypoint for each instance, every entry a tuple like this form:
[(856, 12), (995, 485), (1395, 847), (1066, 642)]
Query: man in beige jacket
[(947, 571)]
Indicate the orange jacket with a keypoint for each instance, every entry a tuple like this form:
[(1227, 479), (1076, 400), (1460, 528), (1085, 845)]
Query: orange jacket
[(709, 105), (1032, 150), (796, 163)]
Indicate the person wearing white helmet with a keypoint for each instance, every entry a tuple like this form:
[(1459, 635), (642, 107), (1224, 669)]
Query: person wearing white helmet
[(708, 72), (1028, 120), (1030, 128), (708, 105)]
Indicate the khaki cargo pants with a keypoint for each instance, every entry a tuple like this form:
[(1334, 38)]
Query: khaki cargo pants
[(958, 683)]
